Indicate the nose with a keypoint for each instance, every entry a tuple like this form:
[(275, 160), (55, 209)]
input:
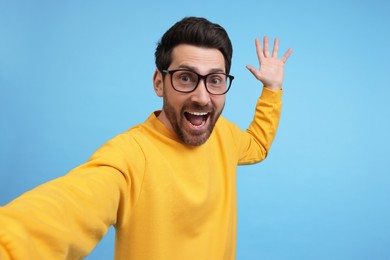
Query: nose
[(200, 95)]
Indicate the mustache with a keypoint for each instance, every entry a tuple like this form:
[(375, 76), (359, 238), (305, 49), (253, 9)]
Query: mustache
[(196, 107)]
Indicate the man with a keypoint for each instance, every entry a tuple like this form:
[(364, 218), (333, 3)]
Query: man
[(167, 185)]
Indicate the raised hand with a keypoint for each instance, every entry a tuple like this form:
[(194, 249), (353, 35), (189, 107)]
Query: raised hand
[(271, 71)]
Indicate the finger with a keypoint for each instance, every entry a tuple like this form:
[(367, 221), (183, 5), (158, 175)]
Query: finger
[(259, 50), (276, 48), (286, 55), (266, 49)]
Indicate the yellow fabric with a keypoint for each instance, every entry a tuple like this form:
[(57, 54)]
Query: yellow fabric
[(165, 199)]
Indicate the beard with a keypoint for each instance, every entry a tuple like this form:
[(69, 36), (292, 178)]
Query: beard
[(180, 122)]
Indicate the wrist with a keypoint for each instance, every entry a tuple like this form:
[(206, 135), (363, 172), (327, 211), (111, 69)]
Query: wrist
[(273, 88)]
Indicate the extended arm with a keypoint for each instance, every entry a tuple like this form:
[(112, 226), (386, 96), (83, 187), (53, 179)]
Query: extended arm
[(65, 218), (263, 128)]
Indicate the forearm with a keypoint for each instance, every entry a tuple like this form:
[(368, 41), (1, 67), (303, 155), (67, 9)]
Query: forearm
[(262, 129), (63, 218)]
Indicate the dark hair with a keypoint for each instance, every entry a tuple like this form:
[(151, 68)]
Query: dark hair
[(194, 31)]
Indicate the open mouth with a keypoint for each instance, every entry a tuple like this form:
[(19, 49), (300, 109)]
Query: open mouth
[(197, 119)]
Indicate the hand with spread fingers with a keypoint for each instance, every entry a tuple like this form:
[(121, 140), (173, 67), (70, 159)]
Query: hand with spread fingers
[(271, 69)]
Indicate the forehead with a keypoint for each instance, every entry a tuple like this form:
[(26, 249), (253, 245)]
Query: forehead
[(200, 59)]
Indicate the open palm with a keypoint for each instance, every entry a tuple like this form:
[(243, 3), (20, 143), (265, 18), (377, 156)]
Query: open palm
[(271, 71)]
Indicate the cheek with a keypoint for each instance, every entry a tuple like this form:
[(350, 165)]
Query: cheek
[(175, 101), (219, 102)]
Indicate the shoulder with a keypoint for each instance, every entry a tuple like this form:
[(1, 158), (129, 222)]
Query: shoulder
[(123, 145), (224, 125), (228, 130)]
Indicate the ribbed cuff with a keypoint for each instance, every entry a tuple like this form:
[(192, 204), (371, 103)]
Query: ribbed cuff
[(271, 95)]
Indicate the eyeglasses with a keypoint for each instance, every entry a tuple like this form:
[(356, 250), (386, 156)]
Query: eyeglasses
[(186, 81)]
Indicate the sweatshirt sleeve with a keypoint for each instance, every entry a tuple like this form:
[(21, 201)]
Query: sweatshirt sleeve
[(65, 218), (256, 141)]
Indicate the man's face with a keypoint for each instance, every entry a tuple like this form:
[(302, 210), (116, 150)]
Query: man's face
[(192, 116)]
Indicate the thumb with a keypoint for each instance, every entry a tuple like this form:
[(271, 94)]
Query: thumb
[(250, 68), (253, 71)]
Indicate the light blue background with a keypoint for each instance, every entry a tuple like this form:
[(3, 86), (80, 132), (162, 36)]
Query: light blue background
[(73, 74)]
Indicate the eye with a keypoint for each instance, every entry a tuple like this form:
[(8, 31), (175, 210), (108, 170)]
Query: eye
[(216, 79), (186, 77)]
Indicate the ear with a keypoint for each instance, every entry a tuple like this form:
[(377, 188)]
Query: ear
[(158, 83)]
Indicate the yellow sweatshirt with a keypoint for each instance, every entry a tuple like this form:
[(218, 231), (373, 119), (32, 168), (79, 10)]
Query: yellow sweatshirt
[(165, 199)]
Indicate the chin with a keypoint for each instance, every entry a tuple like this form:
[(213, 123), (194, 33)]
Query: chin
[(194, 140)]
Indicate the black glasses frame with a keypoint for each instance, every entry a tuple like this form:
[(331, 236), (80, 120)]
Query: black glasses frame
[(200, 77)]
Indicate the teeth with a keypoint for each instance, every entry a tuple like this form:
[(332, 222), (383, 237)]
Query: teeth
[(198, 113)]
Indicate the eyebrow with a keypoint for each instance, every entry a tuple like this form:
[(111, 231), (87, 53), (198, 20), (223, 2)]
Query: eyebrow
[(189, 67)]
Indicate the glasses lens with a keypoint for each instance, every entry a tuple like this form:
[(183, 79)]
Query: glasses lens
[(217, 83), (184, 80)]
